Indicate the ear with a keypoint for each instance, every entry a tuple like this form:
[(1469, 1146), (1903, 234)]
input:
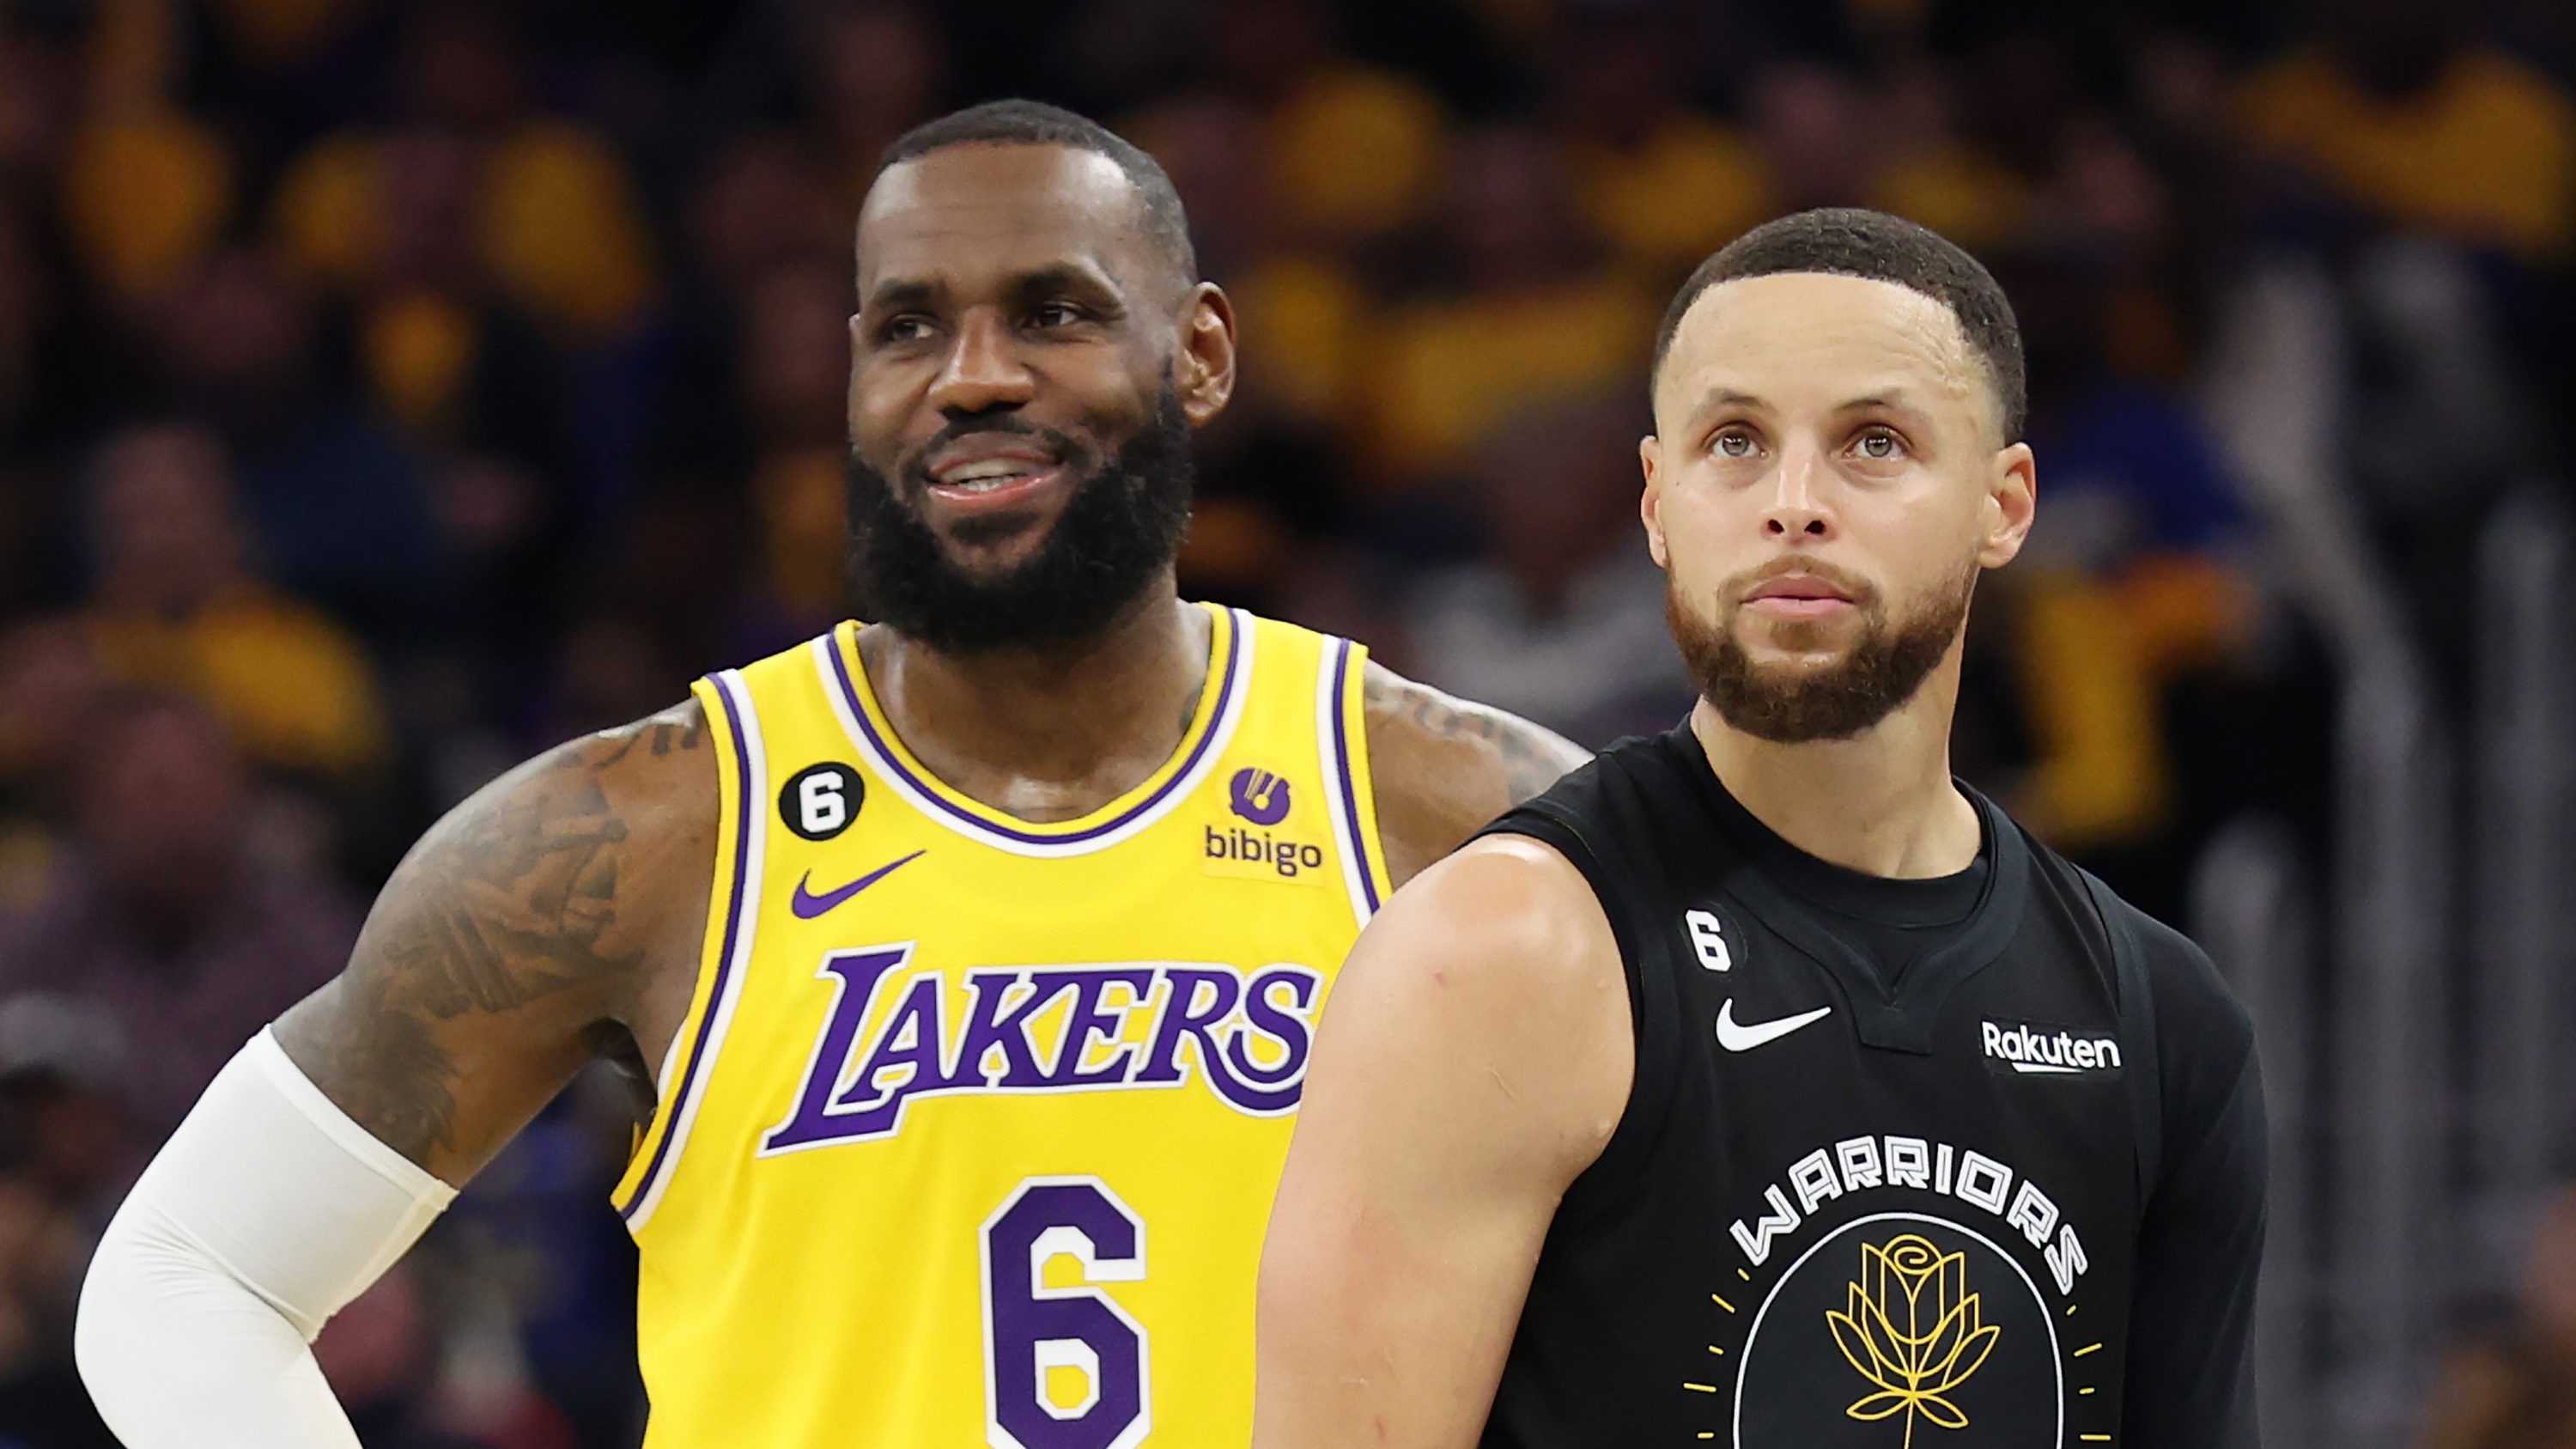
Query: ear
[(1650, 455), (1203, 365), (2012, 500)]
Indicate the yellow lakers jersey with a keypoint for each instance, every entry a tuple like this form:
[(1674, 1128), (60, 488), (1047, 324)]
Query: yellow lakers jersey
[(971, 1131)]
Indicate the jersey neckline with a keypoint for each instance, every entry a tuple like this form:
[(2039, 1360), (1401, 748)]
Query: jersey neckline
[(1202, 742), (1898, 1015)]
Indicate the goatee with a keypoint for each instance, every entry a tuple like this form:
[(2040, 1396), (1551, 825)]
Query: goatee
[(1787, 705), (1119, 531)]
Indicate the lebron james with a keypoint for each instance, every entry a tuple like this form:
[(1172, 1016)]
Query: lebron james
[(965, 962)]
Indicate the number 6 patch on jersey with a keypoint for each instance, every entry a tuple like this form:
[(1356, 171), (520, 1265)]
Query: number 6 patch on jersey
[(819, 801), (1064, 1367)]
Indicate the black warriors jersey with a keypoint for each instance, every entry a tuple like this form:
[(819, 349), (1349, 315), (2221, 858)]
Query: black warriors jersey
[(1845, 1214)]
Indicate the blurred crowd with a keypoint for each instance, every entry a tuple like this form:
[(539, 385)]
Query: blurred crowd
[(389, 388)]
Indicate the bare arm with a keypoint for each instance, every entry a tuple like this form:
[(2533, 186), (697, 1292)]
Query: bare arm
[(1475, 1058), (1444, 766), (552, 918)]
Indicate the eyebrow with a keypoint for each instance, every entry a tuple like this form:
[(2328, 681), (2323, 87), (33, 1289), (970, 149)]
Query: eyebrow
[(902, 292), (1890, 400), (1893, 400), (1020, 287)]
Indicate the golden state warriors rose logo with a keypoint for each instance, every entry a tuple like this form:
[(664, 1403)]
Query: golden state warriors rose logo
[(1901, 1330), (1912, 1329)]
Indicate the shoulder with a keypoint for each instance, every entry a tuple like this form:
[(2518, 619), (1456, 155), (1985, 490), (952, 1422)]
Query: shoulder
[(1498, 954), (589, 859), (644, 781), (2205, 1042), (1443, 766), (1511, 900), (2189, 994)]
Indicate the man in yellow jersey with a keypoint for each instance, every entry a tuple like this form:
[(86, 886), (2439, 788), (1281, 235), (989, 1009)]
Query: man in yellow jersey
[(965, 962)]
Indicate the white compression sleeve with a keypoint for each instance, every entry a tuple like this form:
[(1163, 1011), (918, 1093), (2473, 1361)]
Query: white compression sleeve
[(265, 1213)]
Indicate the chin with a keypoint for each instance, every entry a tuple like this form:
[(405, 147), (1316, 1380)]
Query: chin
[(1796, 647)]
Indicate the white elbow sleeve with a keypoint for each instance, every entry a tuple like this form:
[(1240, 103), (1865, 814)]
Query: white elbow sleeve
[(265, 1213)]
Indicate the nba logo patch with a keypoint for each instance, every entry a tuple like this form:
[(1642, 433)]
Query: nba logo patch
[(1249, 842)]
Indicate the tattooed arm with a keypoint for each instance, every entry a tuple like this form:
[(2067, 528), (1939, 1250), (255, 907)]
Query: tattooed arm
[(1443, 766), (553, 918)]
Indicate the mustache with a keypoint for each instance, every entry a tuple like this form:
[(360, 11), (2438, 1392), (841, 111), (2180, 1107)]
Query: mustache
[(1860, 590)]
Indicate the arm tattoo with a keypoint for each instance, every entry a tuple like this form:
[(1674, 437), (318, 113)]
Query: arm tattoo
[(511, 901), (1532, 757), (663, 733)]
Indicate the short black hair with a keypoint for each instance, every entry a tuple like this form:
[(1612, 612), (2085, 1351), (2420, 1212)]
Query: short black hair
[(1035, 123), (1853, 241)]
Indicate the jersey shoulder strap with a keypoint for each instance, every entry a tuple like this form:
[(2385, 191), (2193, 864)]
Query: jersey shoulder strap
[(2137, 1025)]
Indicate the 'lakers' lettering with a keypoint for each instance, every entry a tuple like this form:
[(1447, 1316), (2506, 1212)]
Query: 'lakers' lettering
[(1138, 1025)]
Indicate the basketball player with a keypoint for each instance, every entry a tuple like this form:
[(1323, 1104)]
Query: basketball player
[(1760, 1085), (967, 960)]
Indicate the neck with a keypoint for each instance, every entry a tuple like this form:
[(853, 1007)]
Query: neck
[(1049, 733), (1881, 802)]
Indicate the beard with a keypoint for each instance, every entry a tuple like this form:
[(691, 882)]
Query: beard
[(1791, 705), (1120, 530)]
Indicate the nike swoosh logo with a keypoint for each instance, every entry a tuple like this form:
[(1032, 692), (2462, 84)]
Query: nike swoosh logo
[(808, 905), (1736, 1038)]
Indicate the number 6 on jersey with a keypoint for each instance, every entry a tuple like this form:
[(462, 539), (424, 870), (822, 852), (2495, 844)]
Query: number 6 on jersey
[(1031, 1330)]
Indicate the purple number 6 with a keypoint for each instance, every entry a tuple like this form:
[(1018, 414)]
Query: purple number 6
[(1030, 1328)]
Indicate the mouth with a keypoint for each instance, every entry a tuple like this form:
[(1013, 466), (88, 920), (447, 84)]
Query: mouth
[(1797, 596), (992, 473)]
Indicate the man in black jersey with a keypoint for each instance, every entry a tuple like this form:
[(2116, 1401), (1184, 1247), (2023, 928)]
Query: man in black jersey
[(1760, 1085)]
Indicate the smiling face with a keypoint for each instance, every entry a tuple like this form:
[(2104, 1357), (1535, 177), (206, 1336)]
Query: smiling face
[(1026, 365), (1826, 480)]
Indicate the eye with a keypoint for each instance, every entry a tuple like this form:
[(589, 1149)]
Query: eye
[(1056, 314), (1733, 443), (903, 327), (1879, 445)]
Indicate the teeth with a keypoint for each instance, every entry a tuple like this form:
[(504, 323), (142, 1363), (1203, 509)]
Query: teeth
[(993, 472)]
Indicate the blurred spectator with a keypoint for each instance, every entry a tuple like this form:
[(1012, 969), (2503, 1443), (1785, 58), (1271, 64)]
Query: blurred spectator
[(1353, 150), (2130, 585), (338, 503), (793, 369), (1664, 183), (50, 677), (553, 213), (870, 72), (66, 1149), (2398, 110), (2516, 1387), (1932, 173), (42, 406), (1521, 314), (178, 606), (147, 187), (166, 910), (381, 1356), (1563, 619), (1811, 126)]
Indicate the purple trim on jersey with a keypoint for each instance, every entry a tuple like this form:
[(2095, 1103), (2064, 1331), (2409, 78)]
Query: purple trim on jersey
[(1357, 844), (747, 819), (893, 762)]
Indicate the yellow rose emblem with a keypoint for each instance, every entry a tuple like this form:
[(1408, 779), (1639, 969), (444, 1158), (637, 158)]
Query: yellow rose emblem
[(1911, 1328)]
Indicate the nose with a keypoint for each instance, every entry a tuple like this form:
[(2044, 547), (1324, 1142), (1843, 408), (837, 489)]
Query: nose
[(1796, 509), (983, 369)]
